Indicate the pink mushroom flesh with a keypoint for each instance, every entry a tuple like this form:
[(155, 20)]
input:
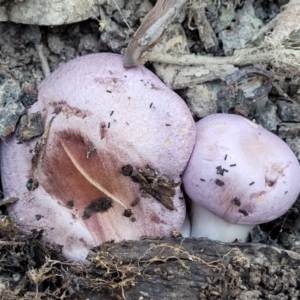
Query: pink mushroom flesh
[(239, 173), (105, 117)]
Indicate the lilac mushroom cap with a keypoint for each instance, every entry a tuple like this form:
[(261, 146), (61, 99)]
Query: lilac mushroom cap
[(105, 117), (239, 175)]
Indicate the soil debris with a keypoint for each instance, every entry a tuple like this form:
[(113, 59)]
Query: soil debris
[(153, 184), (98, 205)]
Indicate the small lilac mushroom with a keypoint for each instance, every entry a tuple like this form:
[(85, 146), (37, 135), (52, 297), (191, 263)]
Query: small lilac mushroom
[(101, 122), (239, 175)]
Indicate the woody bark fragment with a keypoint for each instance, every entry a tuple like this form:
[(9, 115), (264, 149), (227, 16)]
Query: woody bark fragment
[(151, 29), (194, 269), (206, 33)]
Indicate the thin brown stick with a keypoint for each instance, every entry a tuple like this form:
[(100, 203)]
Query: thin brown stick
[(237, 59)]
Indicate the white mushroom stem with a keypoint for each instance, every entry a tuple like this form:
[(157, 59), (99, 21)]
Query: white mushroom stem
[(186, 227), (207, 224)]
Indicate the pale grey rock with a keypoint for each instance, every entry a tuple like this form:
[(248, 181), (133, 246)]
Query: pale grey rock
[(55, 44), (288, 130), (289, 111), (267, 117), (47, 12), (11, 107), (202, 99), (242, 30), (295, 146)]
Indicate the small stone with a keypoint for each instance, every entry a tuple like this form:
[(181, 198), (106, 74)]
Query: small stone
[(88, 42), (295, 146), (225, 100), (286, 239), (31, 126), (121, 17), (202, 99), (267, 117), (240, 31), (112, 6), (11, 107), (144, 8), (113, 36), (47, 12), (27, 99), (16, 277), (289, 130), (55, 44), (288, 111), (257, 235)]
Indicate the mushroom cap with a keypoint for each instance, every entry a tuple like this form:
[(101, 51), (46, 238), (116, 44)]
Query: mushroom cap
[(240, 171), (105, 117)]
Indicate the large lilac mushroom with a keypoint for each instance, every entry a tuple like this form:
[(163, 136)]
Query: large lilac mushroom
[(98, 118), (239, 175)]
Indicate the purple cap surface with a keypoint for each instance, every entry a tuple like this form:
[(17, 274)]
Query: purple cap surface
[(240, 171)]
